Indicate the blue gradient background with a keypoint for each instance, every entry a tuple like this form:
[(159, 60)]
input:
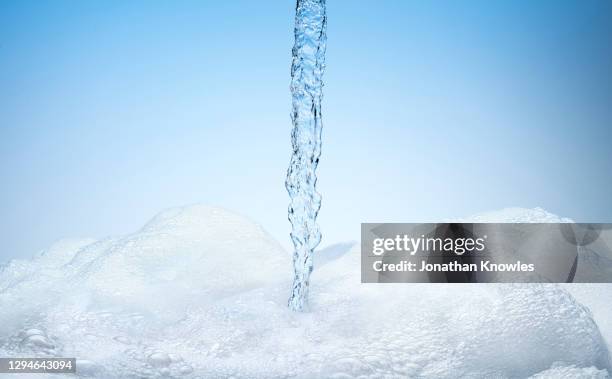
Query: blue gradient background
[(111, 111)]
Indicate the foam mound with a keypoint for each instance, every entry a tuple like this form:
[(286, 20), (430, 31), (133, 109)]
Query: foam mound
[(200, 292), (572, 372), (516, 214)]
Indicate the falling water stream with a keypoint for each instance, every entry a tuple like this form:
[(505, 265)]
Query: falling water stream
[(307, 69)]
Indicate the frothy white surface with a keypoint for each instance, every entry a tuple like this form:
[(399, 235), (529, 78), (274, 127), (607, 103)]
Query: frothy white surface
[(200, 292)]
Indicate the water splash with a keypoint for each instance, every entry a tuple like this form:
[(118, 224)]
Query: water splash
[(307, 69)]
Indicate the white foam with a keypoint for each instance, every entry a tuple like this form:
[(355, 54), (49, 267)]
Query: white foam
[(202, 292)]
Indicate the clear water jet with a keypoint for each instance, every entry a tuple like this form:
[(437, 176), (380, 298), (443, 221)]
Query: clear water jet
[(307, 68)]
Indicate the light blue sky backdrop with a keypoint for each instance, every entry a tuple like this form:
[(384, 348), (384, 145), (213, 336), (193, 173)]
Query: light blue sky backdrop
[(113, 110)]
